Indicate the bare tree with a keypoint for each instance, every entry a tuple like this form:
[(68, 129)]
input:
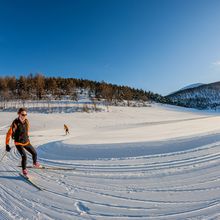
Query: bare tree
[(127, 94), (39, 83)]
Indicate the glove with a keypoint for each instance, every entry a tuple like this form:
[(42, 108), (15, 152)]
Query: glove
[(8, 148)]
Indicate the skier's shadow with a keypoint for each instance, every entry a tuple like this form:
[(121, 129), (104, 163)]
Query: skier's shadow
[(11, 177), (8, 171)]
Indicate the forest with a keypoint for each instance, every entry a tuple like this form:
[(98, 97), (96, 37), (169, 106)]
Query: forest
[(40, 87)]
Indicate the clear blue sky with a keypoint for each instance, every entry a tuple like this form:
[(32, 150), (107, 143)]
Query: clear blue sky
[(157, 45)]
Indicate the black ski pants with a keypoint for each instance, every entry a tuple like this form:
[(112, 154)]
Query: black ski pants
[(31, 150)]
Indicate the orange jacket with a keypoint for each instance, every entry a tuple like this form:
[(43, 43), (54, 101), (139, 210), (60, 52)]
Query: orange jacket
[(12, 129)]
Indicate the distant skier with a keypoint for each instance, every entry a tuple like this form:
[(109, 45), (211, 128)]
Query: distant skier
[(19, 132), (66, 129)]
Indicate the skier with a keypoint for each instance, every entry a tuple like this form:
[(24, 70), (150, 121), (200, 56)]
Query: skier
[(19, 132), (66, 129)]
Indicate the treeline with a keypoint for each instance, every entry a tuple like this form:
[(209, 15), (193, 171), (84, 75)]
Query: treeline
[(196, 102), (39, 87)]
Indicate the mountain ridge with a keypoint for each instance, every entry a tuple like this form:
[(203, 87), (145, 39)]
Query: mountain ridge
[(205, 96)]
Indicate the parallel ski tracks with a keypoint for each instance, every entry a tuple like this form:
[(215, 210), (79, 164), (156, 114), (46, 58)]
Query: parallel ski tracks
[(97, 184)]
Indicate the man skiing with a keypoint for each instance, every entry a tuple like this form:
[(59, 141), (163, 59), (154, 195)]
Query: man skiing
[(66, 129), (19, 132)]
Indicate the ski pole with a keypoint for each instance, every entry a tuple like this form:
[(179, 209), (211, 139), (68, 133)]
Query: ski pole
[(3, 156), (5, 153)]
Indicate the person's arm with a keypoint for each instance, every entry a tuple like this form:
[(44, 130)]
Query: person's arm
[(8, 136), (7, 139), (12, 129)]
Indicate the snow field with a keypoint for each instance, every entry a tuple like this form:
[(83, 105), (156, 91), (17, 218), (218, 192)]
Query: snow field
[(131, 163)]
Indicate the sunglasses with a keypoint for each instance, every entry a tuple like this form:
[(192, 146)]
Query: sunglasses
[(24, 114)]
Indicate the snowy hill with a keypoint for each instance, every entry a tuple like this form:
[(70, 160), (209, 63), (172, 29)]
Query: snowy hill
[(34, 88), (189, 87), (206, 96), (192, 86), (159, 162)]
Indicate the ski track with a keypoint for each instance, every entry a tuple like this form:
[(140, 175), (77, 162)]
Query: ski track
[(176, 185)]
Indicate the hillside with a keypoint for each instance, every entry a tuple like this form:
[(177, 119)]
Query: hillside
[(206, 96), (41, 88)]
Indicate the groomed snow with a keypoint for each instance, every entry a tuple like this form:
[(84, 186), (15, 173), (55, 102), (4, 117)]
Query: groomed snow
[(158, 162)]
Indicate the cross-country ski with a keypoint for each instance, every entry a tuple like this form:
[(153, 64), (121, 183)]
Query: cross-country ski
[(30, 181), (50, 168)]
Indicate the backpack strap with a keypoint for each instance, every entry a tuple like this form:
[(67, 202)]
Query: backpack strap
[(28, 126)]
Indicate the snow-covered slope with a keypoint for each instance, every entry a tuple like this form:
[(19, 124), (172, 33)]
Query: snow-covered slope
[(158, 162), (192, 86), (205, 96)]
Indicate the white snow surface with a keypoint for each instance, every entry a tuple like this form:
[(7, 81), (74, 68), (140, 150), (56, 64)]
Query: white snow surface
[(156, 162)]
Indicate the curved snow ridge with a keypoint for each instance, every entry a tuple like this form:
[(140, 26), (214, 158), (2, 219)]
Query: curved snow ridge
[(58, 150), (185, 161), (179, 184), (92, 194)]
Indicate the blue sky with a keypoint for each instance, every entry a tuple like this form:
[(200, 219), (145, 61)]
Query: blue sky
[(157, 45)]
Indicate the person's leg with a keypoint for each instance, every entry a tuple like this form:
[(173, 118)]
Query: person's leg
[(32, 151), (23, 156)]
